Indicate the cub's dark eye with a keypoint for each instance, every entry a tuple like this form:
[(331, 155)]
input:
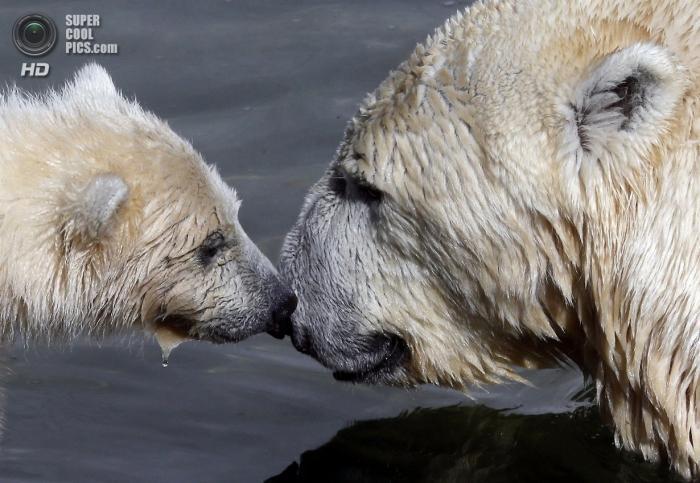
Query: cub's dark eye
[(211, 247)]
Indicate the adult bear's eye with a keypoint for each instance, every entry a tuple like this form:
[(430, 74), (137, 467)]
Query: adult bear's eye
[(337, 183), (211, 247), (352, 188), (363, 191)]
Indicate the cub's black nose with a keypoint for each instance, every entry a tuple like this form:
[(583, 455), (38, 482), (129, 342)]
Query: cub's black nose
[(282, 311)]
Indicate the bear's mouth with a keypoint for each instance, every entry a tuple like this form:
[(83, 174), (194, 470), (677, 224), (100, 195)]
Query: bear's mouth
[(216, 330), (189, 328), (395, 354), (177, 324)]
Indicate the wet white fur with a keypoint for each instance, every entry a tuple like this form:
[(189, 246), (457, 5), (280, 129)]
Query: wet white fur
[(501, 240), (101, 207)]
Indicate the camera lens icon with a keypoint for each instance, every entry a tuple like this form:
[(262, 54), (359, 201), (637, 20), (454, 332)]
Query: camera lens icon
[(34, 34)]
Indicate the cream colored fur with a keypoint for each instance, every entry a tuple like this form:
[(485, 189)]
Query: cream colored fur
[(601, 247), (526, 220), (102, 208)]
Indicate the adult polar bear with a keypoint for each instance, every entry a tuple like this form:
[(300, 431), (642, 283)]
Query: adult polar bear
[(108, 219), (525, 188)]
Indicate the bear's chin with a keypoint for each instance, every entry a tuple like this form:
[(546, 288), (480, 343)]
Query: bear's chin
[(389, 370), (191, 329)]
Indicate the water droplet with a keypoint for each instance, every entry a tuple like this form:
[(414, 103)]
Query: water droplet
[(168, 339)]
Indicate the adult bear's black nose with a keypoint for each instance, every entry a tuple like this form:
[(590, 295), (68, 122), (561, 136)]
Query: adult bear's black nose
[(282, 310)]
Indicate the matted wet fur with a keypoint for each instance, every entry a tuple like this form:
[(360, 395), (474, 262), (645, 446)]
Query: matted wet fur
[(524, 189), (110, 220)]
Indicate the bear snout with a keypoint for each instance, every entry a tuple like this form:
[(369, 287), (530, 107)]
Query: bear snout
[(381, 355), (283, 306)]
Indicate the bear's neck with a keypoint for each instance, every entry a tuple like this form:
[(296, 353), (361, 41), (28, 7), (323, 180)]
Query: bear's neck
[(58, 310)]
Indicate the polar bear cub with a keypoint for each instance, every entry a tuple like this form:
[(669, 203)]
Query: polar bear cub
[(110, 220)]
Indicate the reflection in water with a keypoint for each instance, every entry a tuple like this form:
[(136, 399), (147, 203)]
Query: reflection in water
[(473, 444)]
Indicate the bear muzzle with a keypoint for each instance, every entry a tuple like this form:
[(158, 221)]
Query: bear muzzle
[(378, 358), (281, 317), (382, 362)]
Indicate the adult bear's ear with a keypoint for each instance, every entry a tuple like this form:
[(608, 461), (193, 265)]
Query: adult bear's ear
[(92, 211), (622, 105)]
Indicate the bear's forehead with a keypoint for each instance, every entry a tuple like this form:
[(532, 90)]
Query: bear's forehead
[(496, 47), (503, 64)]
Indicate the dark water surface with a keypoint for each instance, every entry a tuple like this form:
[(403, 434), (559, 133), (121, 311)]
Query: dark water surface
[(263, 89)]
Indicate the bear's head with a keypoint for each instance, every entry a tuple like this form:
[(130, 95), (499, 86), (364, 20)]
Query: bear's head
[(488, 196), (114, 220)]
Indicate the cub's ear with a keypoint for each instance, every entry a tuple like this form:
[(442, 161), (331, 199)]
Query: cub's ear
[(623, 103), (94, 207)]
